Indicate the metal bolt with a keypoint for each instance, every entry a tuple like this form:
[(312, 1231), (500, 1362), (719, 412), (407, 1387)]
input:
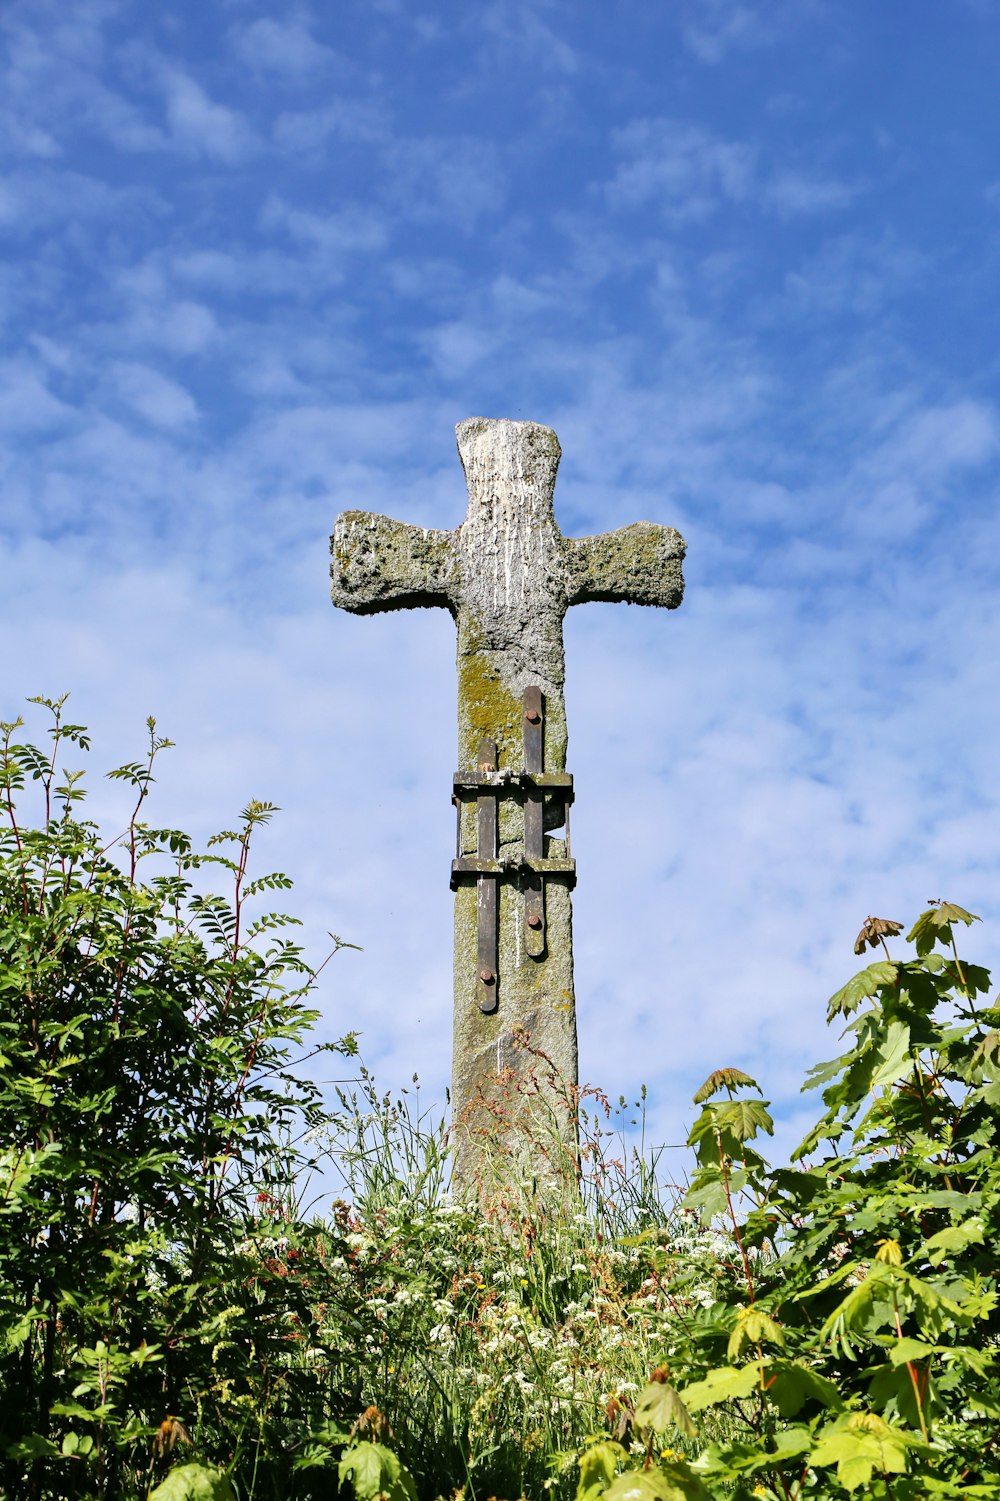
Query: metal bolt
[(534, 921), (532, 716), (487, 976)]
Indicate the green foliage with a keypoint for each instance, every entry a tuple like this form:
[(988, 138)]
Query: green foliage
[(193, 1483), (852, 1340), (147, 1105), (173, 1328), (376, 1474)]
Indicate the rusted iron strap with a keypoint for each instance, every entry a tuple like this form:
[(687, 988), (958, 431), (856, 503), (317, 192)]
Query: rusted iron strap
[(477, 865), (533, 729), (547, 781), (487, 888)]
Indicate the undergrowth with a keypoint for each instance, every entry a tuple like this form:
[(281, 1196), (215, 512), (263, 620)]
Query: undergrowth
[(176, 1325)]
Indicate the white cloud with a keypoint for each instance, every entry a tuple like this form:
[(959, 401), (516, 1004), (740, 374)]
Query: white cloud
[(679, 166), (853, 274), (25, 138), (285, 47), (307, 132), (689, 174), (720, 27), (459, 179), (794, 193), (331, 233), (27, 405), (203, 126), (511, 31), (153, 395), (181, 326), (31, 199), (219, 362), (935, 442), (54, 84)]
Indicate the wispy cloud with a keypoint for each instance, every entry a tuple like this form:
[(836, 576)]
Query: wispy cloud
[(793, 193), (688, 174), (715, 28), (511, 31), (286, 47), (202, 125), (679, 167), (259, 261), (163, 402)]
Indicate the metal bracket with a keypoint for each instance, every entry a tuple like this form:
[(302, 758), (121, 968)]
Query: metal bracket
[(487, 887), (529, 866), (533, 729)]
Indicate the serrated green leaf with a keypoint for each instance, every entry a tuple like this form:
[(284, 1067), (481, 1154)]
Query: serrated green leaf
[(638, 1485), (895, 1060), (934, 926), (194, 1482), (858, 1445), (666, 1482), (906, 1350), (744, 1118), (824, 1130), (980, 1361), (721, 1385), (754, 1327), (659, 1407), (864, 984), (376, 1474), (954, 1238), (723, 1078), (32, 1447), (311, 1456), (790, 1385), (597, 1469)]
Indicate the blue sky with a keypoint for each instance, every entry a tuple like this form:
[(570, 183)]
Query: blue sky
[(258, 260)]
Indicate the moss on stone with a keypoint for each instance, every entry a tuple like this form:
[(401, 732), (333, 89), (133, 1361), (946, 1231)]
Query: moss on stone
[(487, 706), (377, 563)]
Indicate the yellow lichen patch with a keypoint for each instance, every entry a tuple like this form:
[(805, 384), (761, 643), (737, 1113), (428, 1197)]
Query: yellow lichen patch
[(486, 706)]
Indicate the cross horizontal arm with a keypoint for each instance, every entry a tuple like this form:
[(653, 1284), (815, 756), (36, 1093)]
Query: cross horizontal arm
[(380, 564), (640, 564)]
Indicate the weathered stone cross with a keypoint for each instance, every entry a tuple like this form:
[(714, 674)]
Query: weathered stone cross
[(508, 576)]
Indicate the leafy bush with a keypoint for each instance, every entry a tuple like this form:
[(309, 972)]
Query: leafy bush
[(852, 1341), (147, 1106), (173, 1327)]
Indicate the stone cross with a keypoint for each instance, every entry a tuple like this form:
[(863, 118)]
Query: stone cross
[(508, 576)]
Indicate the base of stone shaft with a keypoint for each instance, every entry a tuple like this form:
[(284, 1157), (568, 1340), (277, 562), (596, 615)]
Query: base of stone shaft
[(515, 1070)]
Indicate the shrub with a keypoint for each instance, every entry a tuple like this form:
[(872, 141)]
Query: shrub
[(148, 1110), (852, 1341)]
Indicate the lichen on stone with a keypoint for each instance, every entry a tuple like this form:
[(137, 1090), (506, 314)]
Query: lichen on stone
[(508, 576)]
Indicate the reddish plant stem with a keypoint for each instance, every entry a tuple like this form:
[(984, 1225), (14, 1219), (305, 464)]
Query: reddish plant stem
[(732, 1215)]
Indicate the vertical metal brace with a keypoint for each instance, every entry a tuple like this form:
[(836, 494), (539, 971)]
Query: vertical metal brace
[(487, 886), (534, 808)]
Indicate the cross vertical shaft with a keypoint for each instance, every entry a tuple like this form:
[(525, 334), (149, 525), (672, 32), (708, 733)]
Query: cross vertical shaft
[(507, 576)]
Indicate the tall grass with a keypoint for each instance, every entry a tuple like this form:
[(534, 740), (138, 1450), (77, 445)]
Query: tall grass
[(499, 1330)]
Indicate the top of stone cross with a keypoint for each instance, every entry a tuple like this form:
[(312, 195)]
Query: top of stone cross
[(508, 563), (508, 463)]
